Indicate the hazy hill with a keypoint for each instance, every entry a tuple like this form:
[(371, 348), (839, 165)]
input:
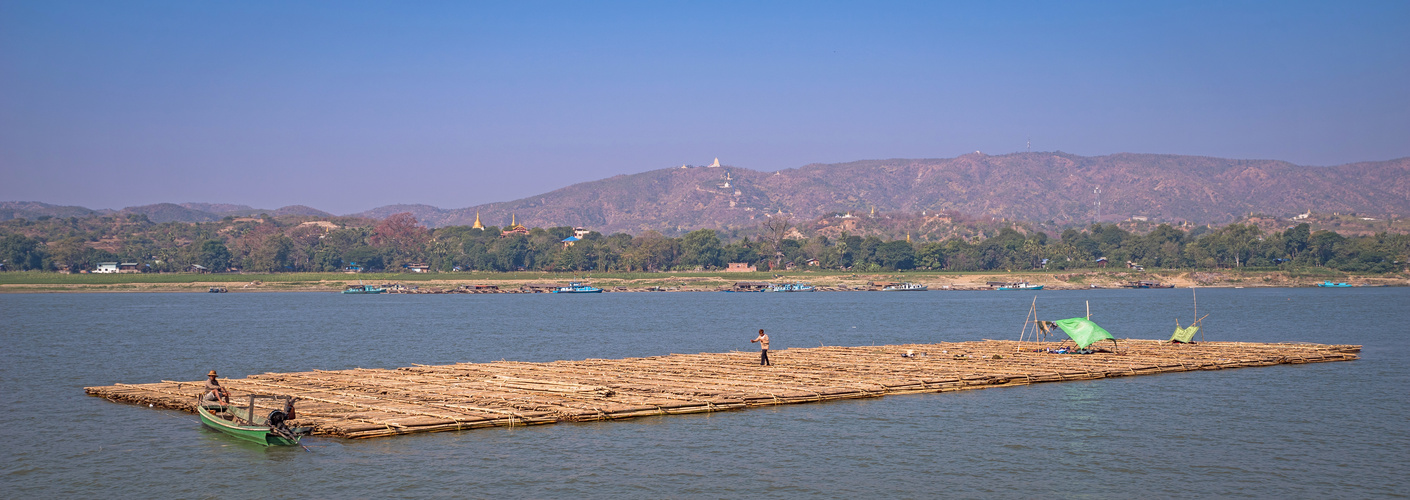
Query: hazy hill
[(221, 209), (34, 210), (427, 214), (159, 212), (207, 212), (299, 210), (1023, 186), (171, 212)]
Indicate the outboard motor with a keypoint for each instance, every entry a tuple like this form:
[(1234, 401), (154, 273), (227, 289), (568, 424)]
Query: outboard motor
[(277, 418)]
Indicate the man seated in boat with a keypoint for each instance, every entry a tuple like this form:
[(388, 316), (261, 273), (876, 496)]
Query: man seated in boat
[(214, 391)]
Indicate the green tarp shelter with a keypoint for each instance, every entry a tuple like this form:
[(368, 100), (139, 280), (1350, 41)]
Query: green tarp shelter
[(1186, 334), (1083, 331)]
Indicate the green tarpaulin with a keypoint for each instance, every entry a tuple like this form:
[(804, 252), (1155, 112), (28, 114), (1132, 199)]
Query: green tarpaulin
[(1186, 334), (1083, 331)]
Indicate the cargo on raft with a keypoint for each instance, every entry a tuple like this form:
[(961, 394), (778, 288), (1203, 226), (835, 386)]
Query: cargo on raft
[(365, 403)]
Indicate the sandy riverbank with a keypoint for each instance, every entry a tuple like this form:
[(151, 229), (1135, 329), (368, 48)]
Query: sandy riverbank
[(714, 282)]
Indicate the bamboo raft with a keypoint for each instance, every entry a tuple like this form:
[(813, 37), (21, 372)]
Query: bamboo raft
[(364, 403)]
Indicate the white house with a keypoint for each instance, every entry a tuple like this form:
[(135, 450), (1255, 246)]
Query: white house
[(106, 267)]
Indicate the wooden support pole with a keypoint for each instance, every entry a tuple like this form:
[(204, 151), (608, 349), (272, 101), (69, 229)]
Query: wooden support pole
[(1029, 318)]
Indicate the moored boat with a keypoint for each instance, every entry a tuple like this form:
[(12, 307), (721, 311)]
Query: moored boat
[(1146, 284), (217, 289), (906, 287), (246, 423), (790, 287), (1021, 286), (575, 287), (1329, 284), (364, 289)]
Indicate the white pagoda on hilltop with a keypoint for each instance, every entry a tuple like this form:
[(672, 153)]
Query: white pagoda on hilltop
[(716, 164)]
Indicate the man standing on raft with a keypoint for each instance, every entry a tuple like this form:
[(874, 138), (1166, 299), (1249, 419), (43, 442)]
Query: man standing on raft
[(763, 340)]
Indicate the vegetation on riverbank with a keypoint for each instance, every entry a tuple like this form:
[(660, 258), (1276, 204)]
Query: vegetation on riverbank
[(398, 243), (42, 282)]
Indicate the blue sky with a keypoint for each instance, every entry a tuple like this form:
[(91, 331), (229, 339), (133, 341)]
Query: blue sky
[(345, 106)]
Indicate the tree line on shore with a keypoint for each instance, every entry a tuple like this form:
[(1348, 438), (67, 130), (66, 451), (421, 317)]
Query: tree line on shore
[(399, 243)]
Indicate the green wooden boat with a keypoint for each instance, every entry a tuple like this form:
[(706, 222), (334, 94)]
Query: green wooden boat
[(246, 423)]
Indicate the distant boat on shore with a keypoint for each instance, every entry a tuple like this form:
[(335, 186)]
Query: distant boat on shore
[(575, 287), (1329, 284), (364, 289), (1021, 286), (790, 287), (1146, 284), (906, 287)]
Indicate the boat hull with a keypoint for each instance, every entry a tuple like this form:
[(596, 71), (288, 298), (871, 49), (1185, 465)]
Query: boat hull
[(576, 287), (365, 291), (255, 434), (1016, 288)]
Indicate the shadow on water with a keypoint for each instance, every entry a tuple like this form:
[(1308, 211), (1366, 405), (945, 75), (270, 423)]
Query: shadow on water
[(1332, 429)]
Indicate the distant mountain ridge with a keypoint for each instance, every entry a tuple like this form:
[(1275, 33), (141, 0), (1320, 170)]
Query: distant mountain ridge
[(158, 212), (1052, 186), (33, 210), (1021, 186)]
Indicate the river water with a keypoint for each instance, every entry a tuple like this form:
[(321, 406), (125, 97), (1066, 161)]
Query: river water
[(1317, 430)]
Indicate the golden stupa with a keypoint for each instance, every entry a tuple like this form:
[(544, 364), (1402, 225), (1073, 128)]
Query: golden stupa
[(514, 227)]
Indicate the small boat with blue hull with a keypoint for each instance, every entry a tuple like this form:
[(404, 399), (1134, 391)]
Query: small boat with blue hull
[(790, 287), (1329, 284), (364, 289), (575, 287), (1021, 286)]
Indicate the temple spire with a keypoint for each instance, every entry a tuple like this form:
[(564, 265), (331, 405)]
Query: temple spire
[(478, 225)]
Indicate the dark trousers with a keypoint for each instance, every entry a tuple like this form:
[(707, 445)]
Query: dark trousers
[(764, 358)]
